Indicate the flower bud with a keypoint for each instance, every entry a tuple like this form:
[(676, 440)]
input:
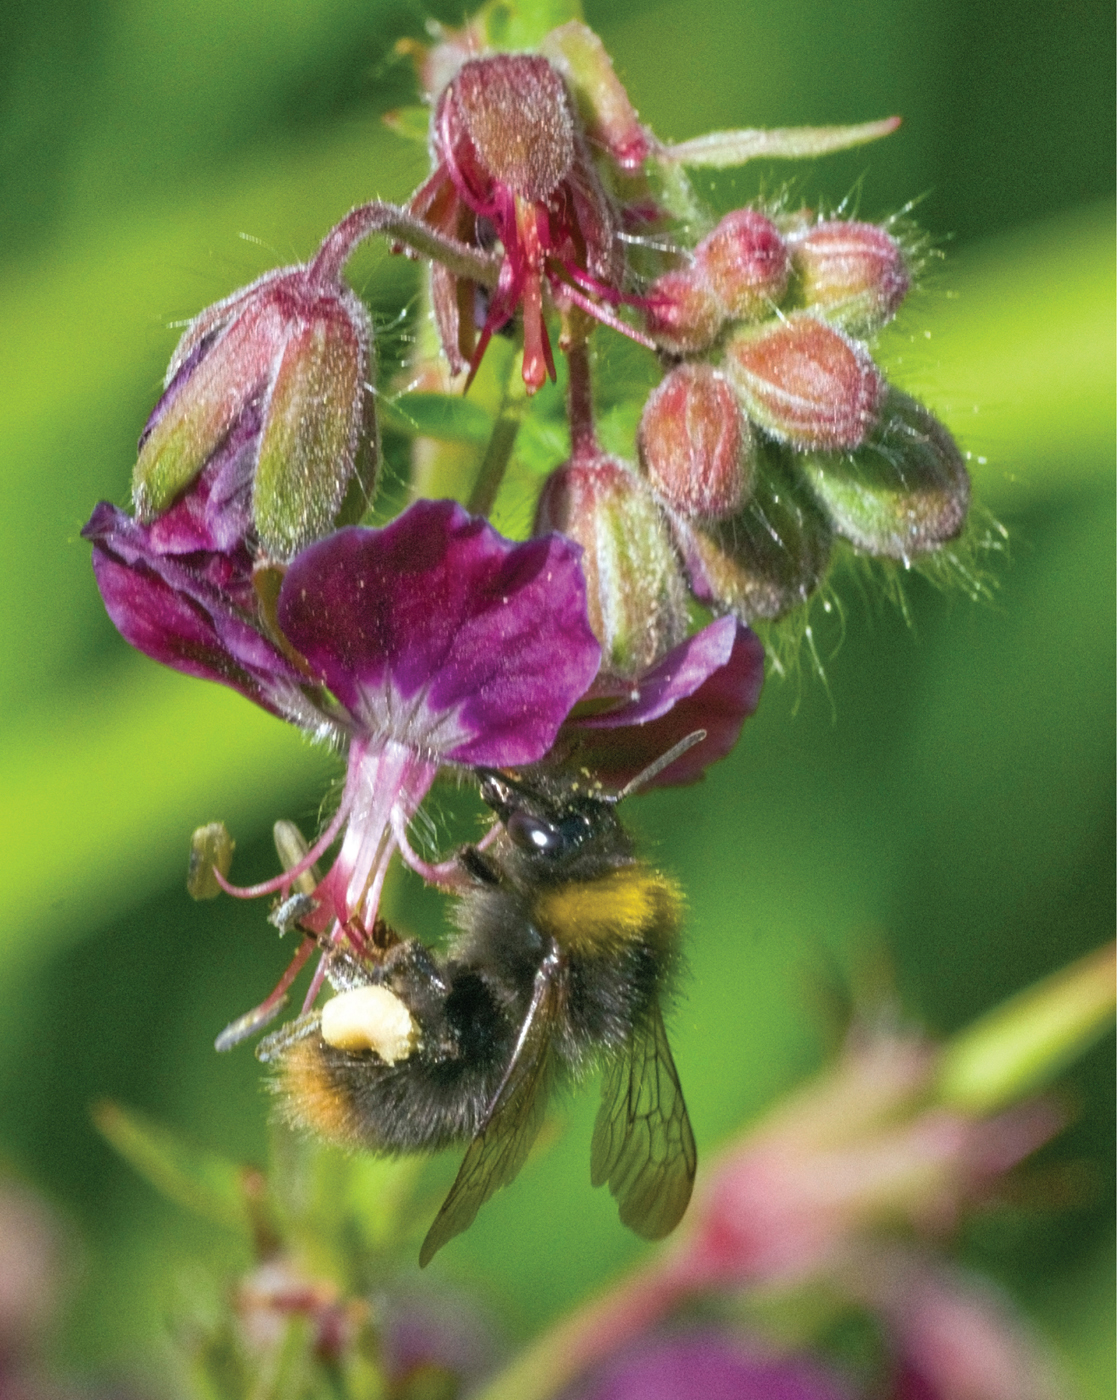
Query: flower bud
[(806, 383), (766, 560), (271, 385), (636, 596), (902, 493), (854, 274), (609, 116), (509, 122), (746, 263), (696, 445), (681, 311)]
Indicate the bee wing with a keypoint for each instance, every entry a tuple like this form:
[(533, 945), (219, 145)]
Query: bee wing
[(643, 1145), (514, 1118)]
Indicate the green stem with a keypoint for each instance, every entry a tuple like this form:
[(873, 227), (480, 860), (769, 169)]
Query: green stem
[(579, 403), (498, 453)]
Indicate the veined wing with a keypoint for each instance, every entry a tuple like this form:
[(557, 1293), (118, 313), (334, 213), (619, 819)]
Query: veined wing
[(643, 1145), (502, 1143)]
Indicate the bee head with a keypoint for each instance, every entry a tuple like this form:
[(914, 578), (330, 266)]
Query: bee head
[(563, 822), (552, 816)]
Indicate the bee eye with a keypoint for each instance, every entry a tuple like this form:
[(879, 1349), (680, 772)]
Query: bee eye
[(533, 834)]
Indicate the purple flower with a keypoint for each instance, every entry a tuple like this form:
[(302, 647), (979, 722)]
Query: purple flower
[(711, 681), (431, 641), (708, 1365), (192, 607), (442, 643)]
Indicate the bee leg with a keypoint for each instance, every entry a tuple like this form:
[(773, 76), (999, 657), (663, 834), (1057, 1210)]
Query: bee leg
[(476, 863)]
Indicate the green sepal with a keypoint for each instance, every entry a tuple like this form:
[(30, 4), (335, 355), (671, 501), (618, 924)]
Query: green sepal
[(904, 492), (522, 24), (447, 417)]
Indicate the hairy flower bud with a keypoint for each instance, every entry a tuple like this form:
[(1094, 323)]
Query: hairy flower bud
[(682, 312), (852, 273), (269, 389), (604, 106), (634, 586), (746, 262), (696, 445), (767, 559), (511, 159), (516, 127), (902, 493), (806, 383)]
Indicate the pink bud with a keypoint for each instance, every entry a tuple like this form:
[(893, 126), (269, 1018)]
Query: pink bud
[(854, 274), (746, 263), (513, 109), (683, 314), (696, 445), (634, 585), (806, 383), (270, 386)]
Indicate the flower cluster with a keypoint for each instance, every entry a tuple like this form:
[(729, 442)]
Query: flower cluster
[(611, 641), (434, 643)]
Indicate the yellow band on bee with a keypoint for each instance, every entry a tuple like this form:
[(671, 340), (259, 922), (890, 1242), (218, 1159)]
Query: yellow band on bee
[(635, 902)]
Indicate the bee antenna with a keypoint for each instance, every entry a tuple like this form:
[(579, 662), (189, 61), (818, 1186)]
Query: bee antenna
[(656, 767)]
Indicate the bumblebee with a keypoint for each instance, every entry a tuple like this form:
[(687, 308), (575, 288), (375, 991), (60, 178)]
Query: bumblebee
[(565, 946)]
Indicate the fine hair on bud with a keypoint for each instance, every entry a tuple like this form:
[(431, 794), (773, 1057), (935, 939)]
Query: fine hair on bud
[(696, 446), (904, 492)]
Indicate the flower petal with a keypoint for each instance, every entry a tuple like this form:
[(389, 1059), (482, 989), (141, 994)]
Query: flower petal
[(712, 681), (437, 633), (181, 609), (706, 1365)]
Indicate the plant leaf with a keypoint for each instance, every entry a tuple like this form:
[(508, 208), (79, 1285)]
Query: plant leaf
[(206, 1184)]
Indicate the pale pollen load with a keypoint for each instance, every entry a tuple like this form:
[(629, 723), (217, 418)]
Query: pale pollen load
[(370, 1018)]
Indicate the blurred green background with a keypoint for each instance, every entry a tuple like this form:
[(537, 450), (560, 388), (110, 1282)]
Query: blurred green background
[(946, 794)]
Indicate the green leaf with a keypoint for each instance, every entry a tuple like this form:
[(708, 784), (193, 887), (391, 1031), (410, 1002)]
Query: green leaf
[(206, 1184), (1027, 1041), (444, 416), (725, 150)]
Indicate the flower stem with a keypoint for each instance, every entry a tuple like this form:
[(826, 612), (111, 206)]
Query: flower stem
[(594, 1331), (400, 224), (498, 453), (579, 403)]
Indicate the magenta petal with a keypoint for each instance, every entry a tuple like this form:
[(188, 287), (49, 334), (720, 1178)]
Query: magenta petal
[(710, 1366), (712, 681), (215, 512), (180, 609), (437, 633)]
